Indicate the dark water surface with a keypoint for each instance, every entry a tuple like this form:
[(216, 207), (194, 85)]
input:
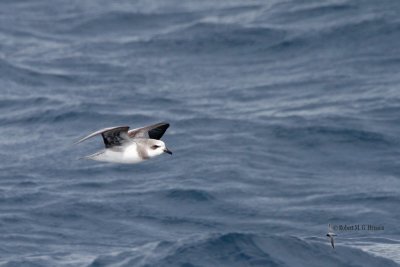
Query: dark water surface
[(285, 117)]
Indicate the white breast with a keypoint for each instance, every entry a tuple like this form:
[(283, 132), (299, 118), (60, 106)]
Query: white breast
[(131, 154), (125, 154)]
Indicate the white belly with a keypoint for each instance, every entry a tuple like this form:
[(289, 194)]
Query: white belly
[(126, 154)]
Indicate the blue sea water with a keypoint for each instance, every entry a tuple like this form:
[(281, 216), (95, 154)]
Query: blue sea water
[(285, 117)]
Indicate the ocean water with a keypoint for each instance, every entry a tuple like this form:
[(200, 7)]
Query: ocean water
[(285, 117)]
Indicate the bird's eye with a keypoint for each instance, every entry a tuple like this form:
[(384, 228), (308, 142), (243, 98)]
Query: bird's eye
[(155, 147)]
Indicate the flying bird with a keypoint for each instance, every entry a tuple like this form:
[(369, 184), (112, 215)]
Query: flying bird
[(130, 146), (331, 234)]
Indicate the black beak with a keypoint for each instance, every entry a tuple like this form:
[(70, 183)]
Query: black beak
[(166, 150)]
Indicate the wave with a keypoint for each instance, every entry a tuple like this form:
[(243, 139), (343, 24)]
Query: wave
[(30, 76), (214, 38), (63, 114), (241, 249), (122, 22), (323, 9), (188, 195), (13, 103), (271, 40), (334, 134)]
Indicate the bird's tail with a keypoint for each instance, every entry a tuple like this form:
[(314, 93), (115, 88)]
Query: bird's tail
[(93, 156)]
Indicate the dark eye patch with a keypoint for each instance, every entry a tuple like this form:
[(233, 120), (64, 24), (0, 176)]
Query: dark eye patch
[(155, 147)]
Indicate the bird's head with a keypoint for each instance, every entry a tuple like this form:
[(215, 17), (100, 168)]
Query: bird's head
[(156, 147)]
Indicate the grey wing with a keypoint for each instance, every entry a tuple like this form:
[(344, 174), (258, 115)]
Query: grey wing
[(155, 131), (332, 242), (113, 136)]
